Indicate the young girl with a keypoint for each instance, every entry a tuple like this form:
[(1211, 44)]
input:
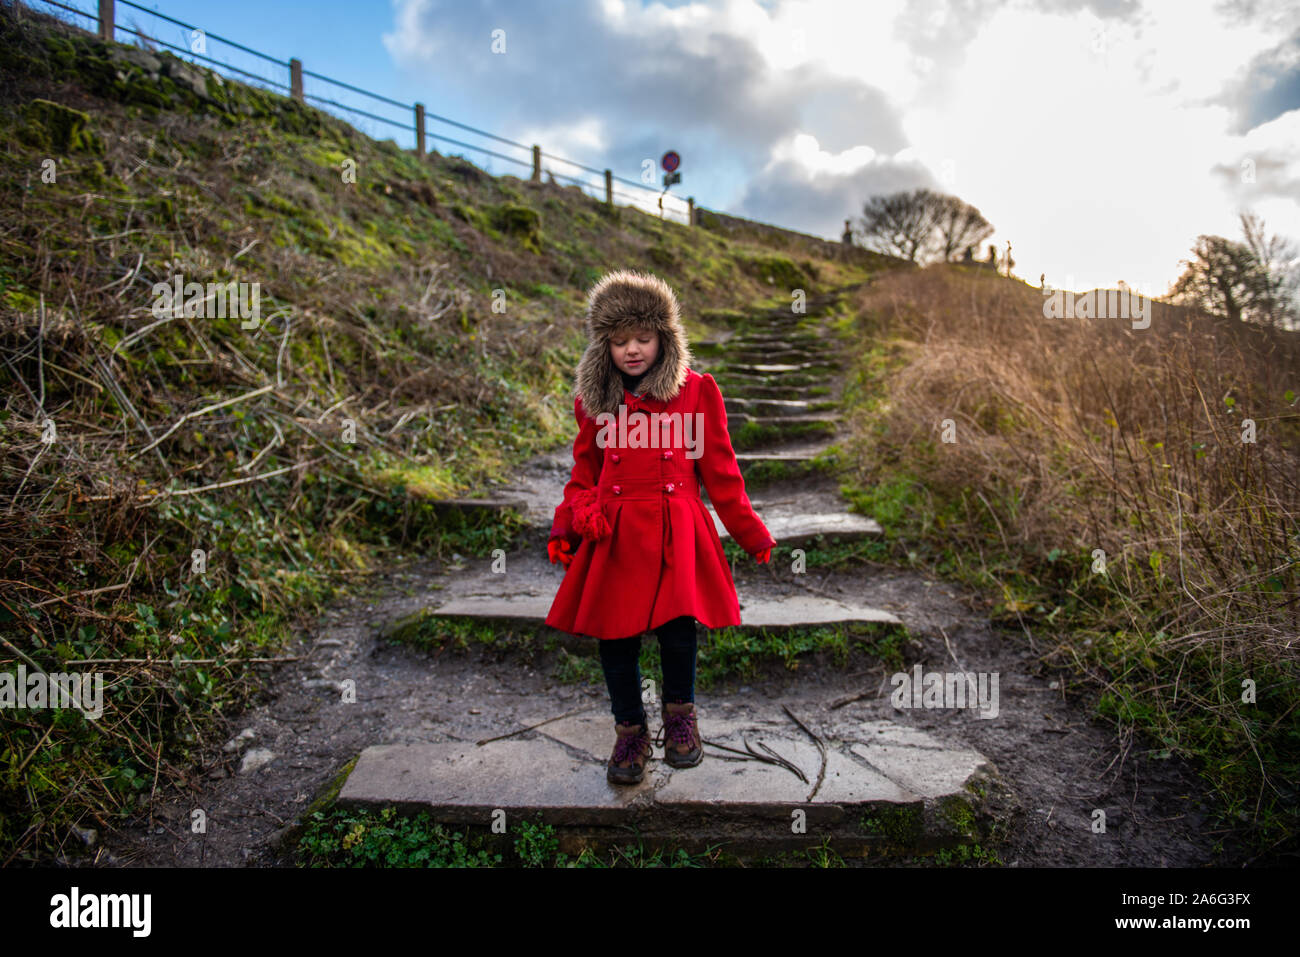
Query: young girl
[(639, 547)]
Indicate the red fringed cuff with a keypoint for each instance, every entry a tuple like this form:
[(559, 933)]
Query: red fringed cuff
[(588, 518)]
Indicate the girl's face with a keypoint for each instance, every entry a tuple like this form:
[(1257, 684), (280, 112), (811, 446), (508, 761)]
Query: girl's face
[(634, 352)]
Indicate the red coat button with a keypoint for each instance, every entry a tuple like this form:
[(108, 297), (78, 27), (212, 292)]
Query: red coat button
[(614, 456), (668, 454), (669, 486), (618, 490)]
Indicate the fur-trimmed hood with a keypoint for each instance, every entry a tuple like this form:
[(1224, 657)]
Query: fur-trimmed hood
[(622, 301)]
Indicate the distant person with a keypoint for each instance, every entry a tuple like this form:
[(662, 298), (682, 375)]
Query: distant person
[(639, 547)]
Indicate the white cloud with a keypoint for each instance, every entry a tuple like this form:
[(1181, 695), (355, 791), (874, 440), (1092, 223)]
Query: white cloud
[(1101, 145), (803, 151)]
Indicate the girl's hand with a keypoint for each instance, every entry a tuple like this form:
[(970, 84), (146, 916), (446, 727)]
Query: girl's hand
[(560, 551), (764, 556)]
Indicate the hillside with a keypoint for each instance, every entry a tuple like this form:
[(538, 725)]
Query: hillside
[(179, 487), (1126, 495)]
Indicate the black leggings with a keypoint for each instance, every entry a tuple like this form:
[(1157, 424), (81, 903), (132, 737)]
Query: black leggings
[(620, 660)]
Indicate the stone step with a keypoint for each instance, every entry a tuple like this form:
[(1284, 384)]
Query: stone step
[(788, 382), (818, 356), (738, 418), (759, 406), (756, 390), (749, 437), (801, 453), (745, 358), (804, 451), (493, 600), (782, 340), (870, 787), (770, 368), (763, 340), (793, 526)]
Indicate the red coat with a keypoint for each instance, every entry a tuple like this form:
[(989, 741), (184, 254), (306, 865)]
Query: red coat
[(649, 551)]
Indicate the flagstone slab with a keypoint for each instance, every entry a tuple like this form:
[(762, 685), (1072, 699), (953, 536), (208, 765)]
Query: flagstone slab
[(790, 527), (506, 605), (891, 733), (751, 786), (929, 772), (768, 368), (474, 781), (847, 781), (593, 733), (558, 770), (797, 610), (758, 406)]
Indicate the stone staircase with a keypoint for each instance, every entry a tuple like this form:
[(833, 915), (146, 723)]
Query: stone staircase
[(772, 779)]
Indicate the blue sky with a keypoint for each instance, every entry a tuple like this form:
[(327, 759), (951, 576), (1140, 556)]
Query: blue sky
[(1099, 136)]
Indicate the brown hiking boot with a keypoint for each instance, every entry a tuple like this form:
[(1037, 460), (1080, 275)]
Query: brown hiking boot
[(631, 752), (680, 735)]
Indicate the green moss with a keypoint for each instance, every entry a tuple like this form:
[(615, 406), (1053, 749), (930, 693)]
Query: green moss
[(900, 824), (331, 790), (958, 812), (662, 257), (324, 156), (18, 299), (49, 125), (519, 221), (776, 271), (61, 50), (755, 434)]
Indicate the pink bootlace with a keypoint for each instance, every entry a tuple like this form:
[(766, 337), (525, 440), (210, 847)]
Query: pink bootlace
[(628, 747), (679, 727)]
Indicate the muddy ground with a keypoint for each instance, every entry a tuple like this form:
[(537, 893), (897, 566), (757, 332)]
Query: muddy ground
[(1060, 763)]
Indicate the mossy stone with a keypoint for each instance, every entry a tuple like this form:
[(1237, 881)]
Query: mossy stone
[(50, 125), (521, 221)]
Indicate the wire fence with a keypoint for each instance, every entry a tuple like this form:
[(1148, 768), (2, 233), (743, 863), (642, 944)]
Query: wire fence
[(191, 42)]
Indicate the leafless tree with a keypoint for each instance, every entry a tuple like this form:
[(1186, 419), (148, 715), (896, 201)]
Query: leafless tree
[(922, 224), (959, 225), (901, 224)]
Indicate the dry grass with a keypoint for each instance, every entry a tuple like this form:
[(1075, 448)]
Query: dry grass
[(1076, 435)]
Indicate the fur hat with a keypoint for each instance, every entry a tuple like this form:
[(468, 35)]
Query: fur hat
[(620, 302)]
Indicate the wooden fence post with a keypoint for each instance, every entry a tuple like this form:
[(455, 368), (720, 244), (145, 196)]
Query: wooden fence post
[(690, 220), (419, 129), (106, 20), (537, 164), (609, 188), (295, 78)]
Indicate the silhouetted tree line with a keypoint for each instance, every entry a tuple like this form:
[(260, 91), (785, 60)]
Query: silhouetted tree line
[(1257, 280)]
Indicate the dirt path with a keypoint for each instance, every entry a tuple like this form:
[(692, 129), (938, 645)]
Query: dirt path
[(1059, 763)]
